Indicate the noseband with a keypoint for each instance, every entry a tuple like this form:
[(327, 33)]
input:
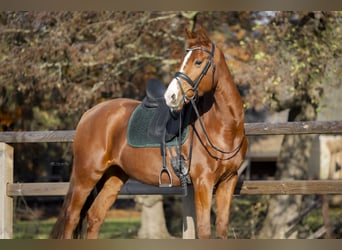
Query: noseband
[(195, 84)]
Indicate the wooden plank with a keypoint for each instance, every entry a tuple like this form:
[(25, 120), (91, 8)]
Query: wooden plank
[(243, 188), (286, 128), (310, 127), (37, 189), (189, 215), (37, 136), (6, 203), (294, 187), (61, 188)]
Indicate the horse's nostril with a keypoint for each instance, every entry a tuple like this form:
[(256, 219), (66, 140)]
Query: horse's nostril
[(173, 97)]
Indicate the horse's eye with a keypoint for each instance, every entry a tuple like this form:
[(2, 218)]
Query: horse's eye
[(198, 62)]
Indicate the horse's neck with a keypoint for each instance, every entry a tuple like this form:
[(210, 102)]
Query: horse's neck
[(226, 112), (227, 95), (228, 105)]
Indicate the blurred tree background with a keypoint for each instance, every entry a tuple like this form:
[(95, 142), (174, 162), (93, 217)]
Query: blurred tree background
[(56, 65)]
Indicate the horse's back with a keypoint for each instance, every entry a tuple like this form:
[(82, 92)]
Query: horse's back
[(99, 114), (105, 120)]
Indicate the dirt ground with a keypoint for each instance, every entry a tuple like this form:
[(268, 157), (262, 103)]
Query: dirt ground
[(123, 213)]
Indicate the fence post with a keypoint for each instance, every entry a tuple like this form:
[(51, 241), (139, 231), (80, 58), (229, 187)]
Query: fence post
[(6, 203), (189, 215)]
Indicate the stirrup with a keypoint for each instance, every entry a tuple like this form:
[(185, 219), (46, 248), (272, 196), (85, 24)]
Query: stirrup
[(165, 170)]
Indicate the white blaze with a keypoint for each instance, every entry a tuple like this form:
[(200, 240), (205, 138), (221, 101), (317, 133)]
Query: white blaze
[(186, 58), (172, 97)]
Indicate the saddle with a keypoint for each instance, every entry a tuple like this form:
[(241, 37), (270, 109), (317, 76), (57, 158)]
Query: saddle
[(164, 124), (152, 124)]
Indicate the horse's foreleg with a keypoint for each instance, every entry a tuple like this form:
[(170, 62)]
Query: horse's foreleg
[(104, 200), (203, 198), (223, 199)]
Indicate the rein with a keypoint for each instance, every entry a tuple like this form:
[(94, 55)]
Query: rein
[(195, 85), (231, 153)]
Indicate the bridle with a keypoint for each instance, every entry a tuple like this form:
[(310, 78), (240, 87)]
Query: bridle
[(195, 85)]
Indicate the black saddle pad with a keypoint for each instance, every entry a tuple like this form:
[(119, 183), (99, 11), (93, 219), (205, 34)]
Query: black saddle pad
[(138, 129)]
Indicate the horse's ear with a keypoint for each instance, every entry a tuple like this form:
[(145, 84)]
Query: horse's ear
[(202, 33), (189, 34), (199, 36)]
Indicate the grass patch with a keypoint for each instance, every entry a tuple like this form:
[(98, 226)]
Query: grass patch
[(120, 228), (113, 228)]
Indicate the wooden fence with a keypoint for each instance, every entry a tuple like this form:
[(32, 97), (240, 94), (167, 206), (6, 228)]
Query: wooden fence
[(8, 189)]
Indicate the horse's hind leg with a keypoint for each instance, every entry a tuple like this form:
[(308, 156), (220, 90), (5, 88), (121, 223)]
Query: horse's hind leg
[(83, 180), (106, 197), (223, 199), (80, 192)]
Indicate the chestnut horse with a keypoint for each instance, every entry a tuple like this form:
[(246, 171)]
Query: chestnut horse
[(104, 159)]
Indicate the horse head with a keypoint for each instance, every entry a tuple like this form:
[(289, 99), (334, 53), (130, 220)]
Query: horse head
[(196, 74)]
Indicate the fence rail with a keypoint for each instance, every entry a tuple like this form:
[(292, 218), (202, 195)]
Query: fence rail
[(8, 189), (294, 187), (284, 128)]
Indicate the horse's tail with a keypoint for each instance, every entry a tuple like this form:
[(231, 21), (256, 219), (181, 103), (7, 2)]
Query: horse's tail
[(58, 229), (79, 232)]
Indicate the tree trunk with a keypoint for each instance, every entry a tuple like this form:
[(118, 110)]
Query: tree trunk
[(153, 225), (292, 164)]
